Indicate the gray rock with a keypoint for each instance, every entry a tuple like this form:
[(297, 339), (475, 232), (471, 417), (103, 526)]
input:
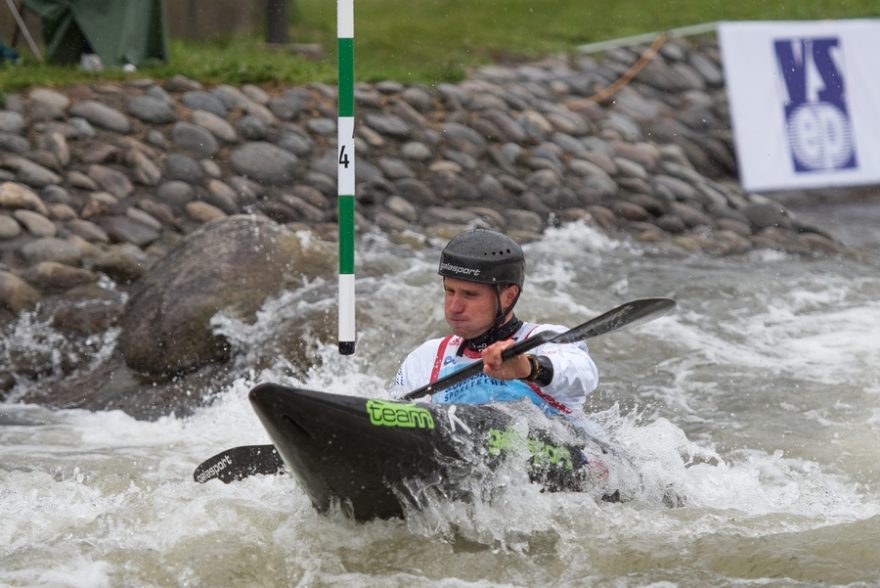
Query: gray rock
[(181, 83), (14, 195), (298, 144), (88, 231), (388, 125), (691, 216), (525, 220), (218, 126), (9, 228), (229, 266), (248, 191), (510, 129), (159, 211), (102, 116), (194, 138), (211, 168), (264, 162), (111, 180), (55, 143), (680, 190), (322, 126), (395, 169), (305, 211), (15, 293), (419, 98), (11, 122), (51, 277), (51, 249), (157, 138), (463, 138), (415, 192), (707, 68), (416, 151), (35, 223), (28, 172), (203, 212), (629, 168), (84, 129), (175, 193), (123, 263), (222, 196), (252, 128), (409, 114), (767, 215), (671, 224), (255, 93), (449, 186), (122, 229), (231, 97), (625, 126), (144, 170), (402, 208), (201, 100), (183, 168), (443, 214), (159, 93), (151, 109), (143, 217), (13, 143), (56, 100), (536, 126)]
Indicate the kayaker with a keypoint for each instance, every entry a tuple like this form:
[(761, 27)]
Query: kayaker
[(483, 273)]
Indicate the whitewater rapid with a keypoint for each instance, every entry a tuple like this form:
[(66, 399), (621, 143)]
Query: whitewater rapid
[(758, 400)]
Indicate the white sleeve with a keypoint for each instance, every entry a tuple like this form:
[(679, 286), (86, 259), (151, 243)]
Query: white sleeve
[(415, 371), (574, 374)]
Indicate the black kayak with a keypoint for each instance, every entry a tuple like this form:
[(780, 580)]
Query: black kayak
[(375, 458)]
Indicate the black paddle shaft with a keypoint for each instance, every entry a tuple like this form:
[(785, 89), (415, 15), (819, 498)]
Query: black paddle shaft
[(629, 314)]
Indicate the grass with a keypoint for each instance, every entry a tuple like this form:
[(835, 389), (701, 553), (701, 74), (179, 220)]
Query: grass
[(430, 41)]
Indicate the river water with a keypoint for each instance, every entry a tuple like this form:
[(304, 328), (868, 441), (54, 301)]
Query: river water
[(757, 402)]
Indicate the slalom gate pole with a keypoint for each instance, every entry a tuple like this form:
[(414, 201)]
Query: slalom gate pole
[(345, 173)]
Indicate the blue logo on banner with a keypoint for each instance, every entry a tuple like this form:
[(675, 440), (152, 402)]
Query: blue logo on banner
[(819, 126)]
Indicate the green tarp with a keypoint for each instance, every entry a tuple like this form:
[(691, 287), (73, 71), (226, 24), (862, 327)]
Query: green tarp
[(119, 31)]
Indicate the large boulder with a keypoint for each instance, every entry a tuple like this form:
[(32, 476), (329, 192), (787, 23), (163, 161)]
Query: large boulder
[(231, 265)]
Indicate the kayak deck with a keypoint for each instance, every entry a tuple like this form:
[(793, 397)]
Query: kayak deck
[(377, 458)]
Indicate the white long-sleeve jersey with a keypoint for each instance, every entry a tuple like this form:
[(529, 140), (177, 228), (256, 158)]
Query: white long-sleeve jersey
[(574, 374)]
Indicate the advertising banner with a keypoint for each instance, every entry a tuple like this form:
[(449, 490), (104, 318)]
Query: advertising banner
[(804, 102)]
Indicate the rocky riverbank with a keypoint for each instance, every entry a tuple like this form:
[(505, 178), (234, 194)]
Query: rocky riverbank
[(105, 189)]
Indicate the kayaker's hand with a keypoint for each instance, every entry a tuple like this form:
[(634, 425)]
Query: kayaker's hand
[(513, 369)]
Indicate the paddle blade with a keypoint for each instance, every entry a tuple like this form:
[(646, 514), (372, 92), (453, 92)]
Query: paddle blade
[(238, 463), (630, 314)]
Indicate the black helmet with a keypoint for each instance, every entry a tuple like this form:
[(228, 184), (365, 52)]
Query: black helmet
[(483, 256)]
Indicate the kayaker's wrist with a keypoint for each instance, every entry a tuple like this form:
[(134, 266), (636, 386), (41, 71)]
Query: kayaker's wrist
[(541, 372)]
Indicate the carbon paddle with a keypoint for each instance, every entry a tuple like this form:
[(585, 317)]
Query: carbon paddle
[(629, 314), (248, 460)]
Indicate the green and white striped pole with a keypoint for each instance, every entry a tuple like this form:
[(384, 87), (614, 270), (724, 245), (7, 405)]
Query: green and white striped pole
[(345, 173)]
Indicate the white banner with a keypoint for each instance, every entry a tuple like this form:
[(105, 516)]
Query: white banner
[(804, 102)]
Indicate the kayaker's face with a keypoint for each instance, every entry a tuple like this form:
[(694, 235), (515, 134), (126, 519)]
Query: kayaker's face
[(470, 308)]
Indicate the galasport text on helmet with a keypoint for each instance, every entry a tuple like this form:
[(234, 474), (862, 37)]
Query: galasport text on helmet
[(483, 256)]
